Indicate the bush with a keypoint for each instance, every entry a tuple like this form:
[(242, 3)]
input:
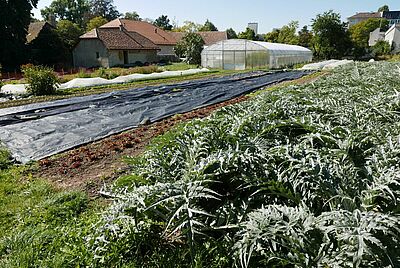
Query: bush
[(190, 47), (42, 80), (381, 48), (83, 74)]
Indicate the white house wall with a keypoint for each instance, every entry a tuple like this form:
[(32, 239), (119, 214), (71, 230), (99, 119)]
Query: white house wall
[(85, 54), (393, 38)]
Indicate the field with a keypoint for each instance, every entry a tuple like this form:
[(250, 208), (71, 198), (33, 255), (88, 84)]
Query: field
[(301, 176)]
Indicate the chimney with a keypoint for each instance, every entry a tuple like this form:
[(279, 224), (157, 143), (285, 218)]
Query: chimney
[(155, 30), (52, 20)]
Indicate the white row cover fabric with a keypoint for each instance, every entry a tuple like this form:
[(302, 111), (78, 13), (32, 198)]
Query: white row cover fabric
[(240, 54), (21, 89), (326, 65)]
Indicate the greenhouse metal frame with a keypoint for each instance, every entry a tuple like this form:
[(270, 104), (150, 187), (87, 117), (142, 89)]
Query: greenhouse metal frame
[(240, 54)]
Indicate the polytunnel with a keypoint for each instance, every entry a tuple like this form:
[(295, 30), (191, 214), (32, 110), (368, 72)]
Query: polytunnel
[(240, 54)]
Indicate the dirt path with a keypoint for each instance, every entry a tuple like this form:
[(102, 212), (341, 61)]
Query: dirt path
[(89, 166)]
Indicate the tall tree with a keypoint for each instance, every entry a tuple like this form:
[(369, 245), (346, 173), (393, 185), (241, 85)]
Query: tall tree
[(190, 47), (359, 34), (305, 37), (383, 8), (249, 34), (189, 27), (132, 16), (69, 32), (96, 22), (231, 33), (105, 9), (330, 36), (208, 27), (76, 11), (15, 17), (163, 22), (272, 36), (287, 34)]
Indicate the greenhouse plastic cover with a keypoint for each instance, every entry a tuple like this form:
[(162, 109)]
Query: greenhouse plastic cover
[(35, 131)]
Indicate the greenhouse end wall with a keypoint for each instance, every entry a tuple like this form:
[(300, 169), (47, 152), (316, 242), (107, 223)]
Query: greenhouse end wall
[(237, 54)]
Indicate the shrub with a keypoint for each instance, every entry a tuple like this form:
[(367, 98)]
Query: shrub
[(102, 73), (190, 47), (42, 80), (381, 48)]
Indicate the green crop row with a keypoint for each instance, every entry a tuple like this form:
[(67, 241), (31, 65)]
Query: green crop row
[(303, 176)]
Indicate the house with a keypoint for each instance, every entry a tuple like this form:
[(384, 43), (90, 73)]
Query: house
[(375, 36), (44, 45), (209, 38), (392, 36), (392, 16), (362, 16), (113, 46), (158, 36)]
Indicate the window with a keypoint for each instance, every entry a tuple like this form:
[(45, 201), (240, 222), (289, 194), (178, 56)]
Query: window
[(97, 55)]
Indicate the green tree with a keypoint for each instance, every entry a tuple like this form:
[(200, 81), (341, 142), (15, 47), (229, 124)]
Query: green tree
[(287, 34), (96, 23), (359, 34), (272, 36), (76, 11), (104, 8), (208, 27), (190, 47), (381, 48), (305, 37), (231, 34), (69, 32), (330, 36), (132, 16), (383, 8), (15, 17), (188, 27), (163, 22), (48, 48), (249, 34)]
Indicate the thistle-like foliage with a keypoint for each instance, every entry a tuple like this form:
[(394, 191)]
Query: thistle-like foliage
[(303, 176)]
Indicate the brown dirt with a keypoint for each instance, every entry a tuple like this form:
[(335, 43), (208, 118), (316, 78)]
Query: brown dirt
[(89, 166)]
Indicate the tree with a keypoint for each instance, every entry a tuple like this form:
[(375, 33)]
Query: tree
[(163, 22), (190, 47), (69, 32), (383, 8), (249, 34), (330, 36), (104, 8), (208, 27), (76, 11), (96, 23), (188, 27), (15, 18), (132, 16), (231, 34), (305, 37), (287, 34), (272, 36), (359, 34), (381, 48)]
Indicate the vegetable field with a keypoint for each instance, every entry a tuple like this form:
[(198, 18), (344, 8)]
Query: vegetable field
[(299, 176), (303, 176)]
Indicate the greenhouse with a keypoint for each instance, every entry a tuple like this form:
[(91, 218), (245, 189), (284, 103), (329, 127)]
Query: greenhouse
[(240, 54)]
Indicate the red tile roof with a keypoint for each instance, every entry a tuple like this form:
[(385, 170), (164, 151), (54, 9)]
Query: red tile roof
[(151, 32), (116, 38), (208, 37)]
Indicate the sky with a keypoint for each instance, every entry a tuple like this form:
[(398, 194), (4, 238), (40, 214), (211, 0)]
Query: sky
[(237, 14)]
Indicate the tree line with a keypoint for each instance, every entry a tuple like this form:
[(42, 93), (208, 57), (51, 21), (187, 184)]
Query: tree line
[(328, 36)]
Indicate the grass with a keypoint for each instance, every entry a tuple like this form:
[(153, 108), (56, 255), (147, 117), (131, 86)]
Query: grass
[(41, 226)]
